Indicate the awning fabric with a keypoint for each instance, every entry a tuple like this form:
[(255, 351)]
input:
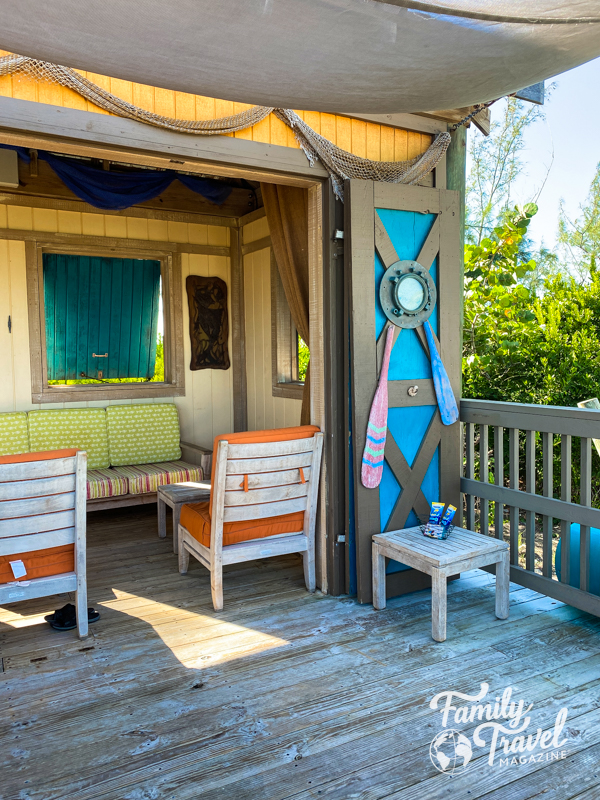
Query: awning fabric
[(119, 190), (347, 56)]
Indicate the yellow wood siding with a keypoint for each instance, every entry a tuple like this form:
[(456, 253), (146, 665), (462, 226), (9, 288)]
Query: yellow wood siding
[(365, 139), (207, 408)]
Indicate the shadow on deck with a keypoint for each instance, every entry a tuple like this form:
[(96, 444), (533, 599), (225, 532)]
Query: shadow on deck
[(282, 694)]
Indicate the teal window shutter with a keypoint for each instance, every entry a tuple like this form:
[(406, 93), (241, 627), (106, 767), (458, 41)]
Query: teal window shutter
[(101, 315)]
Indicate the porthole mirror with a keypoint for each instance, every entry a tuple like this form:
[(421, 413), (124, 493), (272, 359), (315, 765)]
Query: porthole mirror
[(407, 294)]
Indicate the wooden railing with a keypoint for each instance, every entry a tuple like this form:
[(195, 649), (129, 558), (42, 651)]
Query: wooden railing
[(519, 465)]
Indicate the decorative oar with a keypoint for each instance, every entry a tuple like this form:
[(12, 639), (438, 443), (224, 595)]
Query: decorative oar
[(372, 463), (441, 382)]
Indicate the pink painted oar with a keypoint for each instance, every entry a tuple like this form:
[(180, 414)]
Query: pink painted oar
[(372, 463)]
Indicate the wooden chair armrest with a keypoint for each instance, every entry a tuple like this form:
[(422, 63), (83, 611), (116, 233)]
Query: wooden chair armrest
[(197, 447), (205, 457)]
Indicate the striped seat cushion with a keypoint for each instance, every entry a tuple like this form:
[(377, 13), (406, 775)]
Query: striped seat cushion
[(105, 483), (146, 478)]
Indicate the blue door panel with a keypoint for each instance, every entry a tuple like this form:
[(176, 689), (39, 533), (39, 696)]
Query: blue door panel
[(408, 231)]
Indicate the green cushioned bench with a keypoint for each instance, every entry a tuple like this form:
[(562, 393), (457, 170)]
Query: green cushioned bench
[(131, 450)]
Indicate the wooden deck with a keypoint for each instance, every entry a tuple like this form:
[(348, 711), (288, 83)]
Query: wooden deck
[(282, 694)]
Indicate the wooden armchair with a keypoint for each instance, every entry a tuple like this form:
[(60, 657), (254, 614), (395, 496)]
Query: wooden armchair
[(263, 502), (42, 525)]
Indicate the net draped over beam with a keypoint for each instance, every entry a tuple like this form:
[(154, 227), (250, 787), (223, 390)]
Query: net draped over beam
[(337, 56), (340, 164)]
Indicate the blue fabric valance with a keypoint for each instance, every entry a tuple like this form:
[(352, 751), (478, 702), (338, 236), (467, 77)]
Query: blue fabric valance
[(116, 191)]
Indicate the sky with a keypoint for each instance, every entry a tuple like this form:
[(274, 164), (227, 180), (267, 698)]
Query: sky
[(572, 131)]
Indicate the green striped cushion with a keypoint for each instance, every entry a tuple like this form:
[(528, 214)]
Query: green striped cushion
[(146, 433), (84, 428), (14, 436)]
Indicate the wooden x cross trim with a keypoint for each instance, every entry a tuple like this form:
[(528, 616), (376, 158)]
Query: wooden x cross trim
[(410, 478)]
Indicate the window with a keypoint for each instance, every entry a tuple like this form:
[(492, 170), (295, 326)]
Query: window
[(106, 325), (289, 353), (101, 318)]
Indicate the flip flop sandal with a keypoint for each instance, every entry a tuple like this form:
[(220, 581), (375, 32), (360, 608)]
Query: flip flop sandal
[(68, 623), (65, 611)]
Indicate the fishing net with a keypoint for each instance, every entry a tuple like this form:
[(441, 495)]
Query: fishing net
[(340, 164)]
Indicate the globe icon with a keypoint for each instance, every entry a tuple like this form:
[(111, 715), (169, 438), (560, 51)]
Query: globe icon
[(450, 752)]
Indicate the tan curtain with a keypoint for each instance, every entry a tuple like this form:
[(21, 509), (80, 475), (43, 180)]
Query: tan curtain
[(287, 214)]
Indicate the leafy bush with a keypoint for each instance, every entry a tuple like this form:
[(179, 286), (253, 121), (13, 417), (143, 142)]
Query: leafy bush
[(303, 359), (521, 348)]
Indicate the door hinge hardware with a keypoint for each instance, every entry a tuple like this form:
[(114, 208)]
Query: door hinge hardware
[(9, 324), (341, 538)]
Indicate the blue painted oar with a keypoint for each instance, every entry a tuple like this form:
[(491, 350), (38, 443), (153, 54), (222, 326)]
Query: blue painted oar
[(441, 382)]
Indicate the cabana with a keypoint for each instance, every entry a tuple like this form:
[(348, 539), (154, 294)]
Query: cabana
[(235, 243)]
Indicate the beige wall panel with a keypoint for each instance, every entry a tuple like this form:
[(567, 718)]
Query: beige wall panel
[(254, 231), (207, 408), (20, 326), (264, 410), (6, 338)]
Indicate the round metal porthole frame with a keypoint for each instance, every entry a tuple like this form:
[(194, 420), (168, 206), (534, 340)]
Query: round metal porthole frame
[(388, 294)]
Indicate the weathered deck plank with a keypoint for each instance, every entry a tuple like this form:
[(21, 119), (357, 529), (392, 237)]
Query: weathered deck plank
[(284, 694)]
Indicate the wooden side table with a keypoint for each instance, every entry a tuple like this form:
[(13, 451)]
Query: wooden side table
[(175, 495), (461, 551)]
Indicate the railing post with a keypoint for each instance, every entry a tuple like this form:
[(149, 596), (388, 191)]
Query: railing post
[(548, 491), (565, 495), (470, 467), (530, 489), (513, 477), (585, 499), (484, 477), (499, 480)]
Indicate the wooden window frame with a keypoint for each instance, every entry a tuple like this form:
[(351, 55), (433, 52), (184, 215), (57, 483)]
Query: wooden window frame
[(284, 342), (170, 261)]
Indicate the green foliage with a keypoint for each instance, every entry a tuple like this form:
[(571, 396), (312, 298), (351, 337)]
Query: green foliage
[(497, 303), (581, 237), (159, 364), (521, 348), (496, 163), (303, 359)]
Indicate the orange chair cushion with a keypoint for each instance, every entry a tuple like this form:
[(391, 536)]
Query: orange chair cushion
[(41, 456), (195, 518), (40, 563)]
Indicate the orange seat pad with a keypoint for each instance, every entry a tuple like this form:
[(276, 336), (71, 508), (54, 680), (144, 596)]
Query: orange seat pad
[(40, 563), (195, 518), (51, 560)]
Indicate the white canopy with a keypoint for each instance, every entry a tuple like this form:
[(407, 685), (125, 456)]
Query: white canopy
[(361, 56)]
